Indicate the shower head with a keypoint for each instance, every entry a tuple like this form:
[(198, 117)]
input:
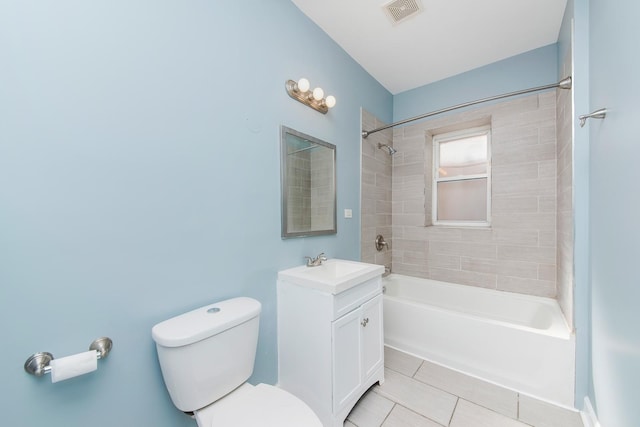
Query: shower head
[(389, 149)]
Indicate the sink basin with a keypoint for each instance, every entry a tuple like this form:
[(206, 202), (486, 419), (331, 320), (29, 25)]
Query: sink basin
[(333, 276)]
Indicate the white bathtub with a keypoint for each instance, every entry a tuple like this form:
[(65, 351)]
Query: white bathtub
[(517, 341)]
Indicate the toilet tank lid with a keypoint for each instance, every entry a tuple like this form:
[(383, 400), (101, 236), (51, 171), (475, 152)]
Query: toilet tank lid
[(205, 322)]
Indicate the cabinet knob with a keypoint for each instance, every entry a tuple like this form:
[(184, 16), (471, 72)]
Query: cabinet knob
[(364, 321)]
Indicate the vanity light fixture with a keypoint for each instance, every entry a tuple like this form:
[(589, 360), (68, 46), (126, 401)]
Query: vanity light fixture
[(315, 99)]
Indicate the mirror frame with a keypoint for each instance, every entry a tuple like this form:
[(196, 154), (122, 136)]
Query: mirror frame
[(285, 233)]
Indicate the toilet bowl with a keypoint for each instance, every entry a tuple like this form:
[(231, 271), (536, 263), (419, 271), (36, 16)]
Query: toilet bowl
[(258, 406), (207, 356)]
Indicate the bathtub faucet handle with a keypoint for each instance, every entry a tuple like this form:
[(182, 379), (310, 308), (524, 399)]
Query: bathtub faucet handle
[(381, 243)]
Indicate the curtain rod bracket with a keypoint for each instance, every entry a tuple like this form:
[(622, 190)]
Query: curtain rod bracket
[(565, 83)]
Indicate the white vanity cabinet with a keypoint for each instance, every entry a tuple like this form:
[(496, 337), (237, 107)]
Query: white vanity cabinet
[(357, 351), (330, 345)]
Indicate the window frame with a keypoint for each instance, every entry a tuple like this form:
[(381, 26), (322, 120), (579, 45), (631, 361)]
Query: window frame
[(452, 136)]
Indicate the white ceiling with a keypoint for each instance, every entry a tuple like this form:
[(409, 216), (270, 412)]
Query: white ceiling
[(446, 38)]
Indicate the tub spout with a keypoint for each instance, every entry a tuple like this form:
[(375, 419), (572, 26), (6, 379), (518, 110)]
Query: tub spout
[(387, 271)]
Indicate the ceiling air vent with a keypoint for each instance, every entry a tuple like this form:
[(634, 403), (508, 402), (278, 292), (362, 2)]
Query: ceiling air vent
[(400, 10)]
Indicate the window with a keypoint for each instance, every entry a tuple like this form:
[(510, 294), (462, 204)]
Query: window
[(462, 178)]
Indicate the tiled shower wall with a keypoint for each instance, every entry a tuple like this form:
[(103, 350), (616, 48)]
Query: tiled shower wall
[(298, 191), (565, 197), (322, 188), (310, 188), (518, 252), (376, 193)]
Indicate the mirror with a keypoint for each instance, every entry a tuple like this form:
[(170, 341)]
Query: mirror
[(308, 174)]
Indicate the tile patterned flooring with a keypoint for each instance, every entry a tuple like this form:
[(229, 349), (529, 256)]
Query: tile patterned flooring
[(418, 393)]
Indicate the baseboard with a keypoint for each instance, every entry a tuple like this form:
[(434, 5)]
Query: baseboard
[(589, 417)]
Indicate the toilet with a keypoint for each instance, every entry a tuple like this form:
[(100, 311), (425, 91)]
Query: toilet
[(206, 357)]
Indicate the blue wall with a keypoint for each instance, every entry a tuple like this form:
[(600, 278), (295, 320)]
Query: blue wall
[(530, 69), (606, 212), (574, 37), (139, 178), (615, 209)]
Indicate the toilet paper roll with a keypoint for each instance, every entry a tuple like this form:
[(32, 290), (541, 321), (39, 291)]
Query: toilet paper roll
[(72, 366)]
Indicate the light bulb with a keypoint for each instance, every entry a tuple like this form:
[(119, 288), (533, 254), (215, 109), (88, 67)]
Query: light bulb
[(303, 85), (318, 94), (330, 101)]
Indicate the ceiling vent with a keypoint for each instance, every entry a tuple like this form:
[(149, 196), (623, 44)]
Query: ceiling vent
[(401, 10)]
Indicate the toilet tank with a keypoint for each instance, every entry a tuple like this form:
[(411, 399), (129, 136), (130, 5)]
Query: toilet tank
[(208, 352)]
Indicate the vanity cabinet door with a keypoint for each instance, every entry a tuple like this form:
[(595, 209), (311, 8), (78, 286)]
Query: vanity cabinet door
[(347, 357), (372, 338)]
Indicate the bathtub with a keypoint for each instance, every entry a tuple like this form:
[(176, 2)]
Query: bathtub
[(517, 341)]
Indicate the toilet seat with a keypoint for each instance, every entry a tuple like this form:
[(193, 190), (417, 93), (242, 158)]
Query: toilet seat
[(258, 406)]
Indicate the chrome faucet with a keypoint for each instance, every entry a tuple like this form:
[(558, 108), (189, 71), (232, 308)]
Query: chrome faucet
[(314, 262)]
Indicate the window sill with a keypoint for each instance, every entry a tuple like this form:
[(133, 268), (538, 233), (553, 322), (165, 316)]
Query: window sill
[(473, 225)]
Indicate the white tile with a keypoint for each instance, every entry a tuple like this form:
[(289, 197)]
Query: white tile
[(476, 235), (401, 362), (541, 288), (514, 204), (524, 187), (444, 234), (523, 269), (451, 262), (403, 417), (409, 169), (479, 265), (414, 258), (543, 414), (482, 280), (417, 220), (371, 410), (410, 245), (489, 395), (517, 237), (515, 154), (411, 270), (525, 160), (468, 414), (417, 396), (528, 254), (475, 250)]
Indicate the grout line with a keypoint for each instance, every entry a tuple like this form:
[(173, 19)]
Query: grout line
[(458, 398), (389, 413), (455, 407), (466, 399), (420, 366), (420, 414), (495, 412)]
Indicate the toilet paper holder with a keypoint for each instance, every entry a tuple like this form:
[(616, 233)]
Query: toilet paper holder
[(38, 363)]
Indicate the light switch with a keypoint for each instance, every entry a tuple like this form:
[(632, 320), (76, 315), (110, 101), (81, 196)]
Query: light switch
[(348, 213)]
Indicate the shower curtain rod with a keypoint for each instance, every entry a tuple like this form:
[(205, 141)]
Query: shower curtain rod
[(562, 84)]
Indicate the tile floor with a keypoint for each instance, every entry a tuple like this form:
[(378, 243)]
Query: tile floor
[(418, 393)]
